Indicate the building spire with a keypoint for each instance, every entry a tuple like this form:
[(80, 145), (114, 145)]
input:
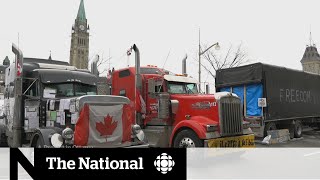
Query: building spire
[(310, 39), (50, 56), (81, 13)]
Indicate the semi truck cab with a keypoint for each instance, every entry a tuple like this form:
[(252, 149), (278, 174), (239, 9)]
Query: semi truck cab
[(174, 114), (59, 107)]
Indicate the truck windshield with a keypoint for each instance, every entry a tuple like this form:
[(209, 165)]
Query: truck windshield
[(182, 88), (69, 90)]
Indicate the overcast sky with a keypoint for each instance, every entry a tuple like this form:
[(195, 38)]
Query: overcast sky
[(273, 31)]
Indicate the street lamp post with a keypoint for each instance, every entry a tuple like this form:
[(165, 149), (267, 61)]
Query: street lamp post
[(201, 53)]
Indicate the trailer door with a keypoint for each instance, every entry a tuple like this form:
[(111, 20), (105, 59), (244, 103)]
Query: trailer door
[(239, 91), (249, 95), (253, 92)]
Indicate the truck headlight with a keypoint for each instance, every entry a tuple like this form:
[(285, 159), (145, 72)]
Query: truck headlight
[(211, 128), (56, 140), (137, 131), (67, 134)]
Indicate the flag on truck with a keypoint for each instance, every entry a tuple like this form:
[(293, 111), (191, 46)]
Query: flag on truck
[(103, 125), (140, 104)]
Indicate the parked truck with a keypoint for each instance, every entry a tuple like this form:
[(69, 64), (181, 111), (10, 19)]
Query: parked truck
[(173, 113), (50, 103), (274, 97)]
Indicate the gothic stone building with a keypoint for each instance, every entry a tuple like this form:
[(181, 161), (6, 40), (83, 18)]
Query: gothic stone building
[(311, 60), (79, 51)]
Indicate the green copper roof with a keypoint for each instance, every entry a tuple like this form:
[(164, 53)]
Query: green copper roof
[(81, 13)]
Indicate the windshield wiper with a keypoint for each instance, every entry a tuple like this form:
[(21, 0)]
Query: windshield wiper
[(190, 91)]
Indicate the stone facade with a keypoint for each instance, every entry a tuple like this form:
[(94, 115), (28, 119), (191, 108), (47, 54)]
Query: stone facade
[(79, 51), (311, 60)]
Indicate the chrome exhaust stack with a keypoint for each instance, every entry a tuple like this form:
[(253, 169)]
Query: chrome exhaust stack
[(184, 66)]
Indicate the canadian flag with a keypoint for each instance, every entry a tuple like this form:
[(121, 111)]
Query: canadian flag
[(140, 104), (18, 69), (103, 125)]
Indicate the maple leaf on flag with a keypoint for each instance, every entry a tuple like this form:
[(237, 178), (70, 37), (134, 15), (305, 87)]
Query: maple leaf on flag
[(107, 127)]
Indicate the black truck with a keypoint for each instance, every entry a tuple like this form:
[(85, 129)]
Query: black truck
[(292, 97), (50, 103)]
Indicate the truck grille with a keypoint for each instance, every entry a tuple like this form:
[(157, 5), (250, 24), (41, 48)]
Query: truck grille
[(230, 113)]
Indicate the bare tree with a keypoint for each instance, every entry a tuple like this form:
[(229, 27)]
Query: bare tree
[(101, 62), (232, 58)]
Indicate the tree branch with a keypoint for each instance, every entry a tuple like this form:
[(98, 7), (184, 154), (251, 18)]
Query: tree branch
[(229, 60)]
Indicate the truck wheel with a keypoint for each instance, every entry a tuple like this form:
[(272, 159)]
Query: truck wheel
[(270, 126), (187, 138), (298, 129)]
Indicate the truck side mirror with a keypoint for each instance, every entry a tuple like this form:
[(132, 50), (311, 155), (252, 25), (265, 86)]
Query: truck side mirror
[(151, 86)]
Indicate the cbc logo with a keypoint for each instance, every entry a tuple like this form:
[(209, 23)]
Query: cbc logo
[(164, 163)]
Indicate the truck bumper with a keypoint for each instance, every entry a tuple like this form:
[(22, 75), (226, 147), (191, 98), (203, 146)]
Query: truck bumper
[(243, 141), (139, 146)]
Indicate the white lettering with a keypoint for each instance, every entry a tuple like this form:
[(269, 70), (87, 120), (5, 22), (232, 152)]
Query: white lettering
[(281, 94), (140, 163), (71, 164), (294, 95), (134, 164), (51, 160), (107, 163), (101, 163), (87, 163), (287, 95), (62, 163), (124, 163), (94, 164), (84, 163), (114, 164)]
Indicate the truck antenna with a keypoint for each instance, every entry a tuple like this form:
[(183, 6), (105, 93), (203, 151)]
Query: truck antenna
[(163, 70), (166, 59)]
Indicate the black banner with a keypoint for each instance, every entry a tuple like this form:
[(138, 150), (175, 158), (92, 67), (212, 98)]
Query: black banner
[(102, 163)]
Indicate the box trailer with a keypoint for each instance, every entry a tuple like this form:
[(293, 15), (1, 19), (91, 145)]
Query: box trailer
[(274, 97)]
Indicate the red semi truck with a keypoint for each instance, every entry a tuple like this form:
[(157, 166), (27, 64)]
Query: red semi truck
[(173, 113)]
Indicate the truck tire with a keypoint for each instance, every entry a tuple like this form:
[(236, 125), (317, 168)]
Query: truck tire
[(270, 126), (186, 139), (297, 129)]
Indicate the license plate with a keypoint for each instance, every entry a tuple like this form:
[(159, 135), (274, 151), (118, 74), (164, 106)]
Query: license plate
[(236, 141)]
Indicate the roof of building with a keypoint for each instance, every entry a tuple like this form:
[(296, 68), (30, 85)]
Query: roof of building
[(310, 54), (6, 61), (47, 61), (81, 13)]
